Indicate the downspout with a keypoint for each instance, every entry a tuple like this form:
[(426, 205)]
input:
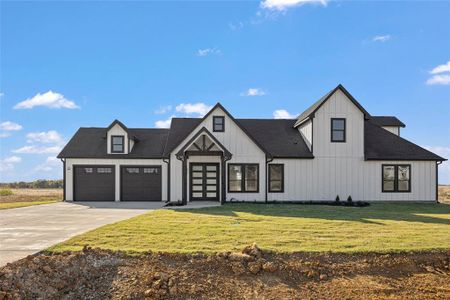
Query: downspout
[(268, 160), (64, 178), (437, 181), (167, 161)]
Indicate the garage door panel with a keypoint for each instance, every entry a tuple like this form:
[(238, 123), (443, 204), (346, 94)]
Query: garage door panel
[(142, 183), (94, 183)]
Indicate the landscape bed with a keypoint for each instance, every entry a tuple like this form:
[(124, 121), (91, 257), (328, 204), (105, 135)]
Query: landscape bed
[(380, 227)]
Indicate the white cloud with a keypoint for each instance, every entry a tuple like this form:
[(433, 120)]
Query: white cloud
[(33, 149), (163, 109), (164, 123), (439, 80), (208, 51), (444, 168), (282, 5), (2, 94), (7, 164), (199, 108), (235, 26), (49, 137), (9, 126), (49, 164), (4, 135), (381, 38), (283, 114), (441, 68), (48, 99), (253, 92)]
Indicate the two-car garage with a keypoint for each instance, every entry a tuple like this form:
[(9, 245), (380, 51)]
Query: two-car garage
[(98, 183)]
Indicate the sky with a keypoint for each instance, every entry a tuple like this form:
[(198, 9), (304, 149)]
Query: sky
[(65, 65)]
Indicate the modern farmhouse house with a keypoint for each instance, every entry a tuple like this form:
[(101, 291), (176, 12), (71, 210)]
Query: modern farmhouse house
[(334, 148)]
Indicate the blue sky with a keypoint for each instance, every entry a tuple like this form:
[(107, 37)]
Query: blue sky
[(65, 65)]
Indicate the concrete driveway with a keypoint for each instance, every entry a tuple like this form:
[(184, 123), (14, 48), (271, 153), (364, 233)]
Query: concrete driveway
[(27, 230)]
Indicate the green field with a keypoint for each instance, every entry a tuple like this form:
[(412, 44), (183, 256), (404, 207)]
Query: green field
[(382, 227)]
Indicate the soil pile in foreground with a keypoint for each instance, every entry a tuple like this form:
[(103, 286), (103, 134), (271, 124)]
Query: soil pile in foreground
[(252, 274)]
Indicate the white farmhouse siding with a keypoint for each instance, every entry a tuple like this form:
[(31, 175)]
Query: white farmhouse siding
[(70, 162), (306, 131), (117, 130), (243, 149), (325, 178), (393, 129)]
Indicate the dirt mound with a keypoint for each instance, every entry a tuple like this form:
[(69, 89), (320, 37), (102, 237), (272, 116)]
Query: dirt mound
[(100, 274)]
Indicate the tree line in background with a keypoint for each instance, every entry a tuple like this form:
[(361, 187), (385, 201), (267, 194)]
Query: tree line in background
[(37, 184)]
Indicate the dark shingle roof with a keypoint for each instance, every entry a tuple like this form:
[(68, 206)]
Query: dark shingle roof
[(277, 137), (387, 121), (380, 144), (92, 143)]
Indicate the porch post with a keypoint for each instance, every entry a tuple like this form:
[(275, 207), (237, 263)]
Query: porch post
[(184, 181), (222, 180)]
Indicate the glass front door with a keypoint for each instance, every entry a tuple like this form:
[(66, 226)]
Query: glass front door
[(204, 181)]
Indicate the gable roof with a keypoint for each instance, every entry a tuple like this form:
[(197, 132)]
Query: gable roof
[(92, 143), (310, 111), (277, 137), (380, 144), (211, 136), (387, 121), (177, 139)]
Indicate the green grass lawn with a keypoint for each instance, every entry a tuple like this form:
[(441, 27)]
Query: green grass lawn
[(380, 227), (24, 204)]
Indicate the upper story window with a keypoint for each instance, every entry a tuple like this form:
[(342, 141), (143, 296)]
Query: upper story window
[(218, 124), (117, 144), (337, 130), (396, 178)]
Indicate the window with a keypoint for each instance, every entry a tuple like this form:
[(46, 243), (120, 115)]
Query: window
[(88, 170), (243, 178), (218, 124), (132, 170), (276, 178), (104, 170), (337, 130), (151, 170), (396, 178), (117, 143)]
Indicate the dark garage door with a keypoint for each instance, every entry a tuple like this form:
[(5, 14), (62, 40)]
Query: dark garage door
[(94, 183), (141, 183)]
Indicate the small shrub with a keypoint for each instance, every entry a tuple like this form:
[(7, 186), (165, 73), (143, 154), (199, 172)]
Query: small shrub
[(337, 199), (6, 192), (349, 199)]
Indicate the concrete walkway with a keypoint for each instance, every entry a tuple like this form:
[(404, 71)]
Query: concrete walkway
[(27, 230)]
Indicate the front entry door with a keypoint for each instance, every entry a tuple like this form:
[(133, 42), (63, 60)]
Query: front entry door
[(204, 181)]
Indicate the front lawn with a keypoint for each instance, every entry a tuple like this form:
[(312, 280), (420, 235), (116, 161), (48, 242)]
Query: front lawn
[(380, 227)]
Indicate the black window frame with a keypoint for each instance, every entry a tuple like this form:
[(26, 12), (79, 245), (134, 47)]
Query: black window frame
[(396, 166), (243, 167), (270, 178), (214, 123), (343, 130), (112, 143)]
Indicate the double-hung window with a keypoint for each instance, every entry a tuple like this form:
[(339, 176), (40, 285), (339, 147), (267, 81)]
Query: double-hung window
[(396, 178), (337, 130), (117, 142), (276, 178), (243, 178), (218, 123)]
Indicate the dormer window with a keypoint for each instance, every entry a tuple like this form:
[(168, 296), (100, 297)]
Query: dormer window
[(117, 144), (218, 123), (337, 130)]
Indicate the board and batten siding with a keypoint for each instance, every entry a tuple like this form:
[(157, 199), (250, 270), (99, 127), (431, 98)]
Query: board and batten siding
[(243, 149), (70, 162), (306, 131), (325, 178), (117, 130)]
